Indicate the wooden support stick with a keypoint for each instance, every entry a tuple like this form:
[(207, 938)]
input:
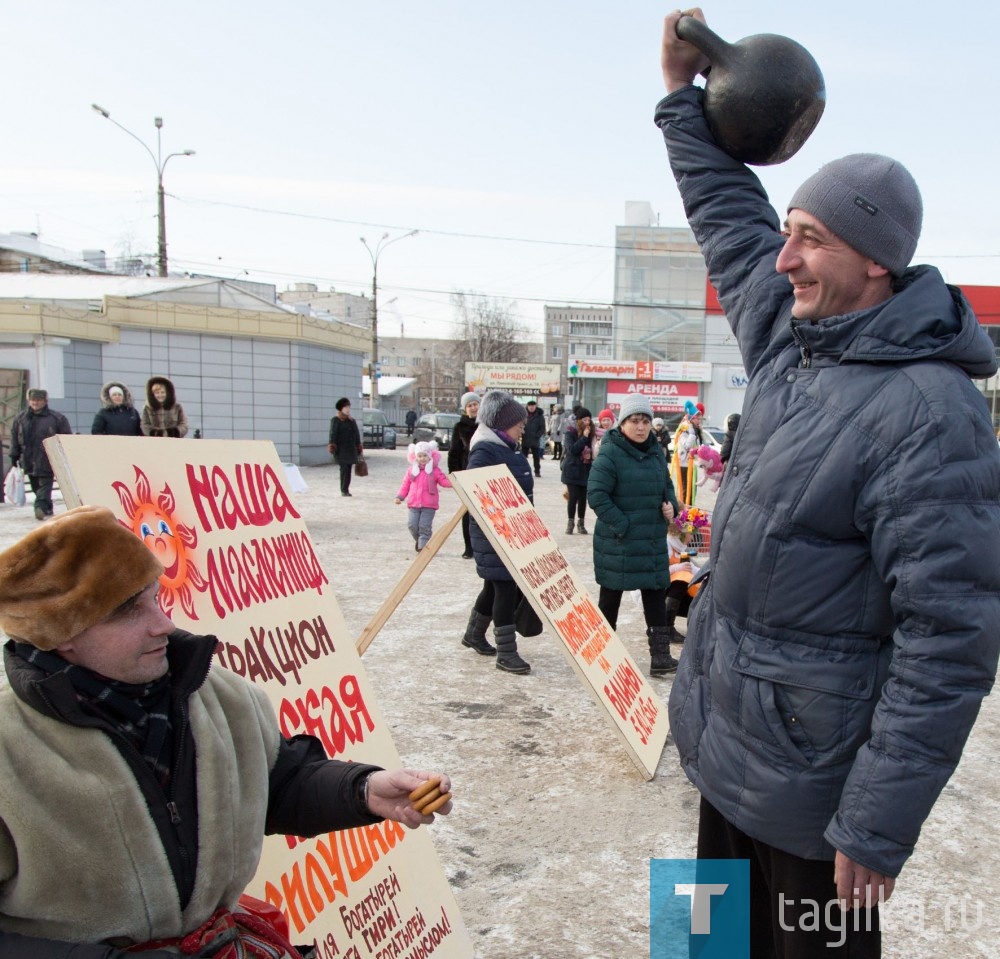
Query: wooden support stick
[(404, 585)]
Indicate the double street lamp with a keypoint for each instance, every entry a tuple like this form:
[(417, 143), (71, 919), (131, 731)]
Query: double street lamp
[(383, 242), (160, 162)]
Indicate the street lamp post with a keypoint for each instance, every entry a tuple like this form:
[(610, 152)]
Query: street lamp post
[(383, 242), (160, 162)]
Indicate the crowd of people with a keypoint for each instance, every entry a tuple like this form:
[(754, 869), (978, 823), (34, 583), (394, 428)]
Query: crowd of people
[(618, 465), (841, 636), (162, 415)]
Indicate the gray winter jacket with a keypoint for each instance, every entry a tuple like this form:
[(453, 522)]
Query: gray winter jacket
[(839, 652)]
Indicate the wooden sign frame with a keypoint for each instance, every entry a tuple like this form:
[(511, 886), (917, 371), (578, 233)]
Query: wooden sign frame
[(502, 511)]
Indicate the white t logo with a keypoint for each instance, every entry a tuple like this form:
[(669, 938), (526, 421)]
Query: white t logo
[(701, 903)]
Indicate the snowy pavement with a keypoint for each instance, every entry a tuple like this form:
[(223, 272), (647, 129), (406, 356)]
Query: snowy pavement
[(549, 843)]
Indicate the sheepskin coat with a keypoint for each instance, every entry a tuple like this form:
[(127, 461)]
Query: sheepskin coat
[(89, 851), (166, 418)]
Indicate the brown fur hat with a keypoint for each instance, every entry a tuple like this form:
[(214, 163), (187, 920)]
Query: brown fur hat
[(68, 574)]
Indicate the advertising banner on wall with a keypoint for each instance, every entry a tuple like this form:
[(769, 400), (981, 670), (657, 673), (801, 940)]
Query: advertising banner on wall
[(241, 565), (523, 379), (600, 660), (663, 397), (640, 370)]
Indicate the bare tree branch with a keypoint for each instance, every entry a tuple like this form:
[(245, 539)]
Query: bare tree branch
[(487, 331)]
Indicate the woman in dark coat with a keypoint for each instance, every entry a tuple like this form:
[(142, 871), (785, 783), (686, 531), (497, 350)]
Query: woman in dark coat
[(633, 498), (501, 423), (117, 416), (345, 443), (458, 453), (578, 454), (732, 424)]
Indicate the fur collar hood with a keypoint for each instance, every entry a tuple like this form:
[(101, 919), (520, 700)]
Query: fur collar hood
[(152, 402), (106, 398)]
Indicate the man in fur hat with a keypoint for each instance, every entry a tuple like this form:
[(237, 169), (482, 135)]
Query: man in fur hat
[(33, 425), (136, 780)]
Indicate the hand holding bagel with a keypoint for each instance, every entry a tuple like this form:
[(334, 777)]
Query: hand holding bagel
[(390, 792)]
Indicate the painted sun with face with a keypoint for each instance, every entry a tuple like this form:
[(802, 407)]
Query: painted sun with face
[(167, 539), (495, 514)]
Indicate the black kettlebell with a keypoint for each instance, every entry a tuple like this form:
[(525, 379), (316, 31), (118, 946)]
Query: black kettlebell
[(764, 94)]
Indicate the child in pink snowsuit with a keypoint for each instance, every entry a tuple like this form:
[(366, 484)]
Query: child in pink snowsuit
[(420, 490)]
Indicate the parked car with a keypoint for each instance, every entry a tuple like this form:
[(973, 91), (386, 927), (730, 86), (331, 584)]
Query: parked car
[(376, 433), (718, 437), (437, 427)]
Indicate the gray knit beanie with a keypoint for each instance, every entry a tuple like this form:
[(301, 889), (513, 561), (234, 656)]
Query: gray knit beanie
[(871, 202), (500, 411), (635, 403), (466, 399)]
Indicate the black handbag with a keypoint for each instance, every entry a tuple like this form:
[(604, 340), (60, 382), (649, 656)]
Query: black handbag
[(526, 620)]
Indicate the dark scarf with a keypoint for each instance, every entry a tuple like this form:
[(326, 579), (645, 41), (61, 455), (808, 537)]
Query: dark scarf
[(140, 712)]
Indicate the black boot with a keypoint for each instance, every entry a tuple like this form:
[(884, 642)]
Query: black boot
[(661, 663), (475, 634), (580, 528), (673, 608), (507, 658), (569, 527)]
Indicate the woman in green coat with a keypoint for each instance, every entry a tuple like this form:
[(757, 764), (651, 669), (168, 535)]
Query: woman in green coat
[(632, 496)]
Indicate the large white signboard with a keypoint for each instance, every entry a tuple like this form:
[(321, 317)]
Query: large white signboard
[(631, 705), (240, 565)]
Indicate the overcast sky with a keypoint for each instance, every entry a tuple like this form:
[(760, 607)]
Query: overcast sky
[(510, 135)]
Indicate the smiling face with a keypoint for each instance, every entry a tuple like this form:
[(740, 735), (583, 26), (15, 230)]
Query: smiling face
[(129, 645), (828, 277), (117, 397), (159, 392)]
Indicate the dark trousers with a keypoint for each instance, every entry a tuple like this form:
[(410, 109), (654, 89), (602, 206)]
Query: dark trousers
[(556, 450), (536, 454), (679, 590), (41, 486), (498, 600), (346, 472), (577, 502), (466, 519), (807, 887), (654, 605)]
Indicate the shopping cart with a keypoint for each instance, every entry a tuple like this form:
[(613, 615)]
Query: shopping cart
[(699, 523)]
